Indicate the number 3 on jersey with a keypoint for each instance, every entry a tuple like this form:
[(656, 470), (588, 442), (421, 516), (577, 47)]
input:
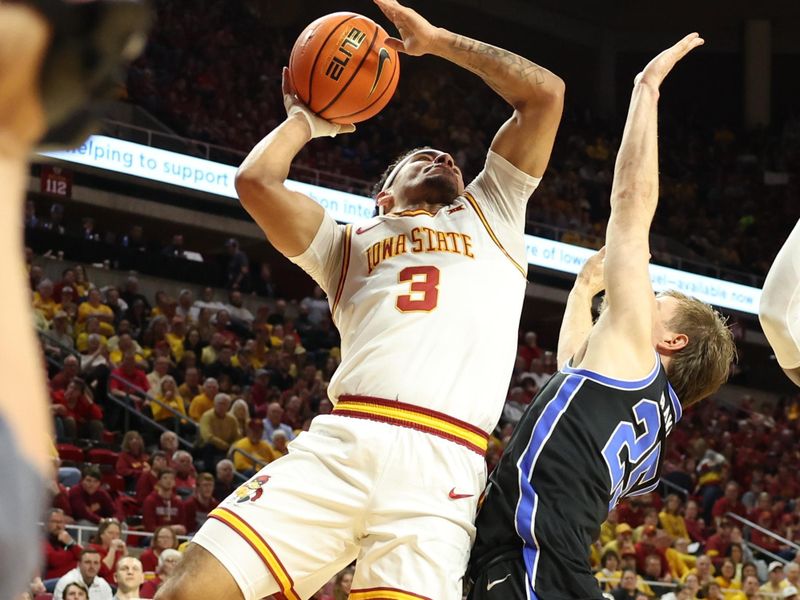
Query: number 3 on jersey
[(423, 289), (633, 459)]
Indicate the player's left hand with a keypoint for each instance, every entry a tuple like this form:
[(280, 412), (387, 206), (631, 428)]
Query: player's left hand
[(417, 35), (657, 69), (591, 275)]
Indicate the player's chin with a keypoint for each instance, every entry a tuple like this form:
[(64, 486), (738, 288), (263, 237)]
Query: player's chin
[(443, 189)]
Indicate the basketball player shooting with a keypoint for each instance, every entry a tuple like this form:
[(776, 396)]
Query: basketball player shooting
[(779, 309), (595, 433), (392, 477)]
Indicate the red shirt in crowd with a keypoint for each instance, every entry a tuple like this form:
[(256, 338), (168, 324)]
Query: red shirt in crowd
[(58, 558), (158, 511), (83, 410), (129, 465), (150, 587), (105, 572), (723, 506), (145, 485), (149, 560), (193, 508), (137, 378), (91, 507)]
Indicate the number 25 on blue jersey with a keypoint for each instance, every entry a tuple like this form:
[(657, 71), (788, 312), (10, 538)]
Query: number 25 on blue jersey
[(633, 460)]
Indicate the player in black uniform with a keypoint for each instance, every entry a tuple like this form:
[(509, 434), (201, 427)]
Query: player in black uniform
[(595, 432)]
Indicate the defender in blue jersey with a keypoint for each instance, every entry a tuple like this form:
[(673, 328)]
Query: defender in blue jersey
[(595, 433)]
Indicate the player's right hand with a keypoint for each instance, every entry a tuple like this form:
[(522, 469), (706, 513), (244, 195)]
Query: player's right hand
[(318, 126), (657, 69)]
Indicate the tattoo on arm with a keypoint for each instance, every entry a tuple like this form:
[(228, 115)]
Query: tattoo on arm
[(485, 59)]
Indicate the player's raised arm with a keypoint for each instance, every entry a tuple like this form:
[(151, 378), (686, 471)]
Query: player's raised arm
[(577, 321), (779, 311), (536, 94), (634, 196), (289, 219)]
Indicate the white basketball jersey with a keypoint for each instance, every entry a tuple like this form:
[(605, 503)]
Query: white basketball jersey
[(428, 305)]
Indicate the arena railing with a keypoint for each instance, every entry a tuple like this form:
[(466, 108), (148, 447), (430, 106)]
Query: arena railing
[(769, 533), (127, 402), (675, 487), (83, 534), (65, 350)]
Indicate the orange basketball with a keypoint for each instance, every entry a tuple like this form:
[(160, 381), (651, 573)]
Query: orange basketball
[(341, 68)]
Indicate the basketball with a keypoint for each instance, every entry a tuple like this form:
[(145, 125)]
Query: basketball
[(341, 68)]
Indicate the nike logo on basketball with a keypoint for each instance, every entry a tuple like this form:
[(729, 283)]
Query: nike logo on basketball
[(361, 230), (453, 496), (491, 584), (383, 56)]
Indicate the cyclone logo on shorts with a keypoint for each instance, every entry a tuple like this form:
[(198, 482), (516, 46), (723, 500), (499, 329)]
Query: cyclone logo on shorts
[(252, 490)]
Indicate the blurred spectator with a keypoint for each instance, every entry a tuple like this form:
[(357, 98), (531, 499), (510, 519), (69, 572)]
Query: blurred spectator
[(237, 310), (204, 401), (627, 587), (218, 430), (185, 473), (61, 332), (317, 306), (67, 281), (254, 444), (161, 366), (241, 412), (529, 349), (730, 502), (209, 353), (134, 239), (273, 422), (77, 414), (146, 482), (671, 519), (776, 582), (343, 584), (127, 379), (56, 221), (69, 370), (109, 544), (61, 552), (133, 459), (164, 538), (190, 386), (130, 293), (225, 484), (280, 443), (115, 302), (92, 328), (163, 507), (94, 307), (175, 247), (44, 301), (129, 576), (609, 575), (88, 501), (168, 444), (168, 395), (237, 270), (168, 560), (184, 307), (75, 591), (176, 336), (202, 502), (86, 573)]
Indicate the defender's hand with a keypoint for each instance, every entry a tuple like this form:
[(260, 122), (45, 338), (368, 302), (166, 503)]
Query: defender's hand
[(657, 69), (591, 274), (418, 35), (319, 127)]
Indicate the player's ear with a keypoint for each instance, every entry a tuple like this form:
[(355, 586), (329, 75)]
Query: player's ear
[(672, 342), (385, 201)]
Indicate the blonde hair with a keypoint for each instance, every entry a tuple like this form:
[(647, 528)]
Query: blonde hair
[(702, 366)]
